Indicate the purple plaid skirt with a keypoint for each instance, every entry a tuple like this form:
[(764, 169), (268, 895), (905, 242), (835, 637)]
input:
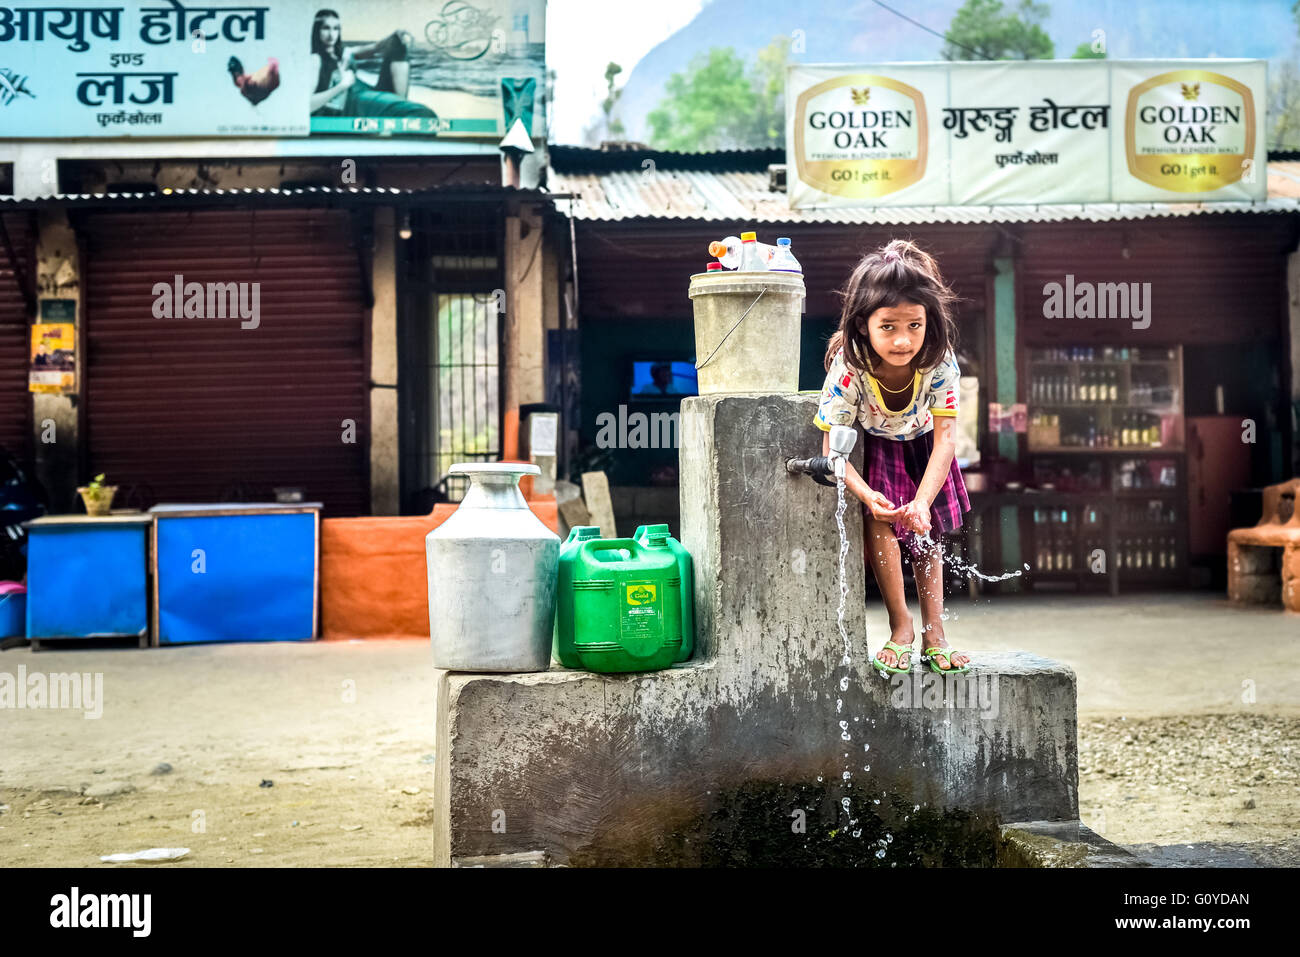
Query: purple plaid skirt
[(895, 469)]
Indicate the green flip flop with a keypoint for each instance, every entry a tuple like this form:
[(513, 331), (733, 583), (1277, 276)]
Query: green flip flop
[(899, 651), (947, 654)]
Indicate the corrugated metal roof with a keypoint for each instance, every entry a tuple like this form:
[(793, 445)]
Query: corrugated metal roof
[(743, 196), (579, 159), (321, 195)]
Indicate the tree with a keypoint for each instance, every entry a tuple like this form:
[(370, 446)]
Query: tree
[(616, 127), (715, 104), (1087, 51), (1284, 99), (769, 79), (1284, 106), (984, 30)]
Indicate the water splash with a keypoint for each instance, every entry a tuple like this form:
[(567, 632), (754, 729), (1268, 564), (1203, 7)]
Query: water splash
[(931, 548)]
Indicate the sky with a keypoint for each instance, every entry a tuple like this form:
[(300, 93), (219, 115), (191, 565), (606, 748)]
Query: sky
[(620, 31)]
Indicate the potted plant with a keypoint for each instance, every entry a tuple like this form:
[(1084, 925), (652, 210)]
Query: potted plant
[(97, 496)]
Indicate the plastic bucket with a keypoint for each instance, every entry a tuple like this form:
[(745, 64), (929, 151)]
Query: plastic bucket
[(13, 609), (747, 331)]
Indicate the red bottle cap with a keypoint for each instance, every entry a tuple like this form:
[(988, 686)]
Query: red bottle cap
[(713, 267)]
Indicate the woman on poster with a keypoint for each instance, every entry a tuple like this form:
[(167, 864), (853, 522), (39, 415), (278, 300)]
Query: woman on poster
[(339, 92)]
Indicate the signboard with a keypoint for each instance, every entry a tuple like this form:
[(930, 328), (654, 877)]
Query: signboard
[(54, 363), (169, 69), (1039, 131)]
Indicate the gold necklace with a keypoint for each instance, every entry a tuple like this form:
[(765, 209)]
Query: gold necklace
[(906, 388)]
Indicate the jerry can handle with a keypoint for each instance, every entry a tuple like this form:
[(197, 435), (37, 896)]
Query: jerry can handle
[(611, 544)]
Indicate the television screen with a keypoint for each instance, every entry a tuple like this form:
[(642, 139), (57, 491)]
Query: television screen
[(655, 379)]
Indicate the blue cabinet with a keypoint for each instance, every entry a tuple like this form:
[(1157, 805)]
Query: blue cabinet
[(86, 577), (235, 572)]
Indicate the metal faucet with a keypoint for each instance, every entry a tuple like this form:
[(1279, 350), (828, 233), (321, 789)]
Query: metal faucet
[(823, 467), (843, 439)]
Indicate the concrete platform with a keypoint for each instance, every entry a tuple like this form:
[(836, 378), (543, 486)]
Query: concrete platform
[(738, 758), (1060, 844)]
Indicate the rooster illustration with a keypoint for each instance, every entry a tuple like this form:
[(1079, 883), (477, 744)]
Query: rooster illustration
[(256, 87), (11, 85)]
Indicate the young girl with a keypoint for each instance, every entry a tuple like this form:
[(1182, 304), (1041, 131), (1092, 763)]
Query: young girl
[(891, 366)]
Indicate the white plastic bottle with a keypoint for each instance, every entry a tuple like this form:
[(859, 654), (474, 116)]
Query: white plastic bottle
[(783, 260), (752, 258), (726, 251)]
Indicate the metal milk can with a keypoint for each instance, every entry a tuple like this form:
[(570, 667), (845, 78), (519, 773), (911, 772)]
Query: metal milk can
[(492, 574)]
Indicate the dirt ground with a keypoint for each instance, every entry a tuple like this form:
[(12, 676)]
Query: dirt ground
[(281, 755), (321, 754)]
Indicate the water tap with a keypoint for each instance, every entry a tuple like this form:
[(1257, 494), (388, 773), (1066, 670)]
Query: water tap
[(843, 438), (822, 467)]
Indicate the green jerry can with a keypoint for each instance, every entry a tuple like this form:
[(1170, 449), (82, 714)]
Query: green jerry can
[(687, 573), (562, 651), (625, 603)]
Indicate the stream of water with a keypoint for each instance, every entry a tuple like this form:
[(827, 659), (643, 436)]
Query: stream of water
[(928, 547)]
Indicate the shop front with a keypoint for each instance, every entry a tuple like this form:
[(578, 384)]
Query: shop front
[(1109, 439), (259, 383), (1153, 363), (334, 345)]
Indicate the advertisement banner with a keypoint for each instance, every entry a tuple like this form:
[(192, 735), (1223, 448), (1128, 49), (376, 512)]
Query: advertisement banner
[(165, 68), (1053, 131), (54, 357)]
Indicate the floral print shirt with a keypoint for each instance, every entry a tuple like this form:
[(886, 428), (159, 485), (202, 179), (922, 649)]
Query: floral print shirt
[(848, 394)]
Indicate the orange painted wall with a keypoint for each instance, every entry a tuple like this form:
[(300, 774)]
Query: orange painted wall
[(373, 578)]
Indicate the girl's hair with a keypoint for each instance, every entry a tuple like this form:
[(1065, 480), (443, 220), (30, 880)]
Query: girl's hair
[(319, 48), (897, 273)]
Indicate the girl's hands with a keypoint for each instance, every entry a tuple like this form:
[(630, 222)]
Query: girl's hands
[(882, 509), (916, 516)]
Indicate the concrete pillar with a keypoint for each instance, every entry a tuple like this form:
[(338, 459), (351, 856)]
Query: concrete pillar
[(385, 481), (1293, 314), (525, 335), (36, 169), (54, 417), (1004, 319), (737, 757)]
